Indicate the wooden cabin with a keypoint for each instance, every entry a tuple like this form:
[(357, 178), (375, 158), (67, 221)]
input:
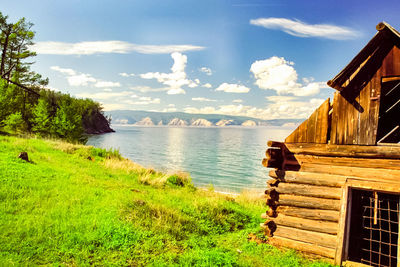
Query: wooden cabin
[(335, 187)]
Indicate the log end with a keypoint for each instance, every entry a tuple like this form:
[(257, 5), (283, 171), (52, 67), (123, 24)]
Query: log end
[(381, 26), (272, 213)]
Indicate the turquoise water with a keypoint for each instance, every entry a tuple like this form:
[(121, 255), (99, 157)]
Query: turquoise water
[(228, 158)]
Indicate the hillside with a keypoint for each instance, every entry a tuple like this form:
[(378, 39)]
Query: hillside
[(140, 117), (77, 205)]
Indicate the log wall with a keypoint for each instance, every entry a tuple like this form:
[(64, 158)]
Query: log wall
[(306, 189)]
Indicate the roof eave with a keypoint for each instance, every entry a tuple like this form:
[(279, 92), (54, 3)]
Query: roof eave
[(339, 79)]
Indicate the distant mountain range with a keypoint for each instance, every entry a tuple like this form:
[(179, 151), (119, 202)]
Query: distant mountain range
[(149, 118)]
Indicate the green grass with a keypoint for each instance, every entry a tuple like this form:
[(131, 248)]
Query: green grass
[(78, 205)]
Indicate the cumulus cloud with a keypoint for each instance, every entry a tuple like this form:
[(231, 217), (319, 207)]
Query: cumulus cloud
[(114, 106), (232, 88), (287, 109), (176, 78), (302, 29), (101, 84), (237, 110), (75, 78), (207, 85), (80, 79), (131, 104), (105, 95), (237, 101), (104, 47), (170, 108), (206, 70), (143, 101), (280, 98), (203, 99), (278, 74), (146, 89), (66, 71), (124, 74)]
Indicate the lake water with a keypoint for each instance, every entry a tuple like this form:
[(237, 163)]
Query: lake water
[(228, 158)]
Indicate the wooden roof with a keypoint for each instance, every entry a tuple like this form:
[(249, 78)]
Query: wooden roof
[(384, 34)]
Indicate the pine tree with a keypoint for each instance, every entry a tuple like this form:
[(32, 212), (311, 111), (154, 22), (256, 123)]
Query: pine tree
[(14, 123), (41, 118)]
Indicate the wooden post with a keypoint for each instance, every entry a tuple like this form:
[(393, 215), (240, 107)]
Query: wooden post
[(342, 226)]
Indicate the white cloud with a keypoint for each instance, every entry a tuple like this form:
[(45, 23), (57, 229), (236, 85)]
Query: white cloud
[(146, 89), (101, 84), (232, 88), (176, 79), (107, 90), (124, 74), (75, 78), (207, 85), (176, 91), (129, 104), (280, 108), (206, 70), (143, 101), (204, 110), (169, 109), (69, 72), (114, 106), (291, 108), (237, 101), (80, 79), (278, 74), (103, 47), (302, 29), (104, 95), (280, 98), (203, 99)]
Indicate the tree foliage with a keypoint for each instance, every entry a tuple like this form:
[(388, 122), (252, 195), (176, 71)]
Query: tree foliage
[(25, 104)]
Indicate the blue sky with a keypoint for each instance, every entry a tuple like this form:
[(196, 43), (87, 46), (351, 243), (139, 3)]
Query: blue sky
[(265, 59)]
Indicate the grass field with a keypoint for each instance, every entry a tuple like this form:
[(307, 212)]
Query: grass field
[(78, 205)]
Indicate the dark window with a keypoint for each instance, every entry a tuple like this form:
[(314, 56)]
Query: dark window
[(374, 225), (389, 111)]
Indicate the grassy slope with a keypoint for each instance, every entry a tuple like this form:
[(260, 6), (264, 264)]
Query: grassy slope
[(66, 209)]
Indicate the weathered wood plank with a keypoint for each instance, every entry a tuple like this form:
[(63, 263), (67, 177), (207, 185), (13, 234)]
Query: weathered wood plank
[(374, 107), (334, 120), (302, 134), (323, 122), (314, 129), (320, 239), (311, 127), (305, 224), (353, 151), (308, 178), (393, 186), (363, 116), (301, 246), (363, 173), (341, 120), (396, 60), (308, 202), (342, 226), (307, 213), (299, 159), (309, 190)]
